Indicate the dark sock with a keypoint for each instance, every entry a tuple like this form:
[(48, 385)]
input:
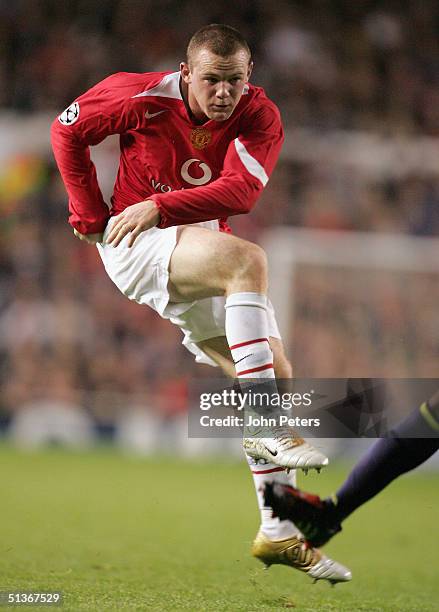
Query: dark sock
[(387, 459)]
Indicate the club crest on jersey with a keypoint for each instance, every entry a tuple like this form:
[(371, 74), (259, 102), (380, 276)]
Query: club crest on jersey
[(200, 137), (70, 115)]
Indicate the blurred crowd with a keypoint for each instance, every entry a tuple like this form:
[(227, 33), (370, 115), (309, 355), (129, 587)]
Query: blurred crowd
[(368, 64), (365, 323), (67, 336), (65, 331)]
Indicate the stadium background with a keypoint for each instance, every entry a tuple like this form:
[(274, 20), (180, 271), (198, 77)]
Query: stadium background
[(358, 87), (350, 220)]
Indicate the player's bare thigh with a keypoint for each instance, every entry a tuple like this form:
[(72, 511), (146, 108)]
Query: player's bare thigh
[(218, 350), (206, 263)]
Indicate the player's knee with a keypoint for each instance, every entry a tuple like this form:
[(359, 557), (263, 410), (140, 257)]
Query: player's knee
[(253, 263)]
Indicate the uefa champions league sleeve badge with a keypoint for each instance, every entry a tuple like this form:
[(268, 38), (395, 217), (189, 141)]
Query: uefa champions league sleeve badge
[(70, 115)]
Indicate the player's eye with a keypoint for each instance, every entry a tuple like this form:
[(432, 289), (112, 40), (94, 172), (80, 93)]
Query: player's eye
[(234, 81), (211, 80)]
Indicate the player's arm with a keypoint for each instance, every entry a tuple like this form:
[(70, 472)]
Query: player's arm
[(248, 164), (96, 114)]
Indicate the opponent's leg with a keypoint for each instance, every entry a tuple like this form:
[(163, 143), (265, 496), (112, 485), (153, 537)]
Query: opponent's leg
[(387, 459), (390, 457)]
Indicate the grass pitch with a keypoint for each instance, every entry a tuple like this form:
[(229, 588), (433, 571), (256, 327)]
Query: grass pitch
[(119, 533)]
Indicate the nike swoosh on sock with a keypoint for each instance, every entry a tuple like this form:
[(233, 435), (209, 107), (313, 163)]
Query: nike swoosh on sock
[(242, 358)]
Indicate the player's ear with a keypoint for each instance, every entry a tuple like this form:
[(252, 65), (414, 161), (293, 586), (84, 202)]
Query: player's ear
[(185, 72), (249, 71)]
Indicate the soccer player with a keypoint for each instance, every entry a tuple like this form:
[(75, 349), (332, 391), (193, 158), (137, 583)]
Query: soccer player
[(196, 146), (408, 445)]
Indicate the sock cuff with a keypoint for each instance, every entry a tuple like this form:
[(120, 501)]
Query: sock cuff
[(247, 298), (429, 418)]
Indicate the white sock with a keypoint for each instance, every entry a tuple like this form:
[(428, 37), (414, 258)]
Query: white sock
[(247, 335), (271, 526), (248, 338)]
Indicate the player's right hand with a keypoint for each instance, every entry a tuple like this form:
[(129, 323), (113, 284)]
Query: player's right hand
[(134, 220), (89, 238)]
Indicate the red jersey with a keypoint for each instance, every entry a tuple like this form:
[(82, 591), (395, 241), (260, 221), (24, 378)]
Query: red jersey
[(192, 172)]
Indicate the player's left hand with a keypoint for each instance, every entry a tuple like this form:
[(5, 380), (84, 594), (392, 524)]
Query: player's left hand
[(133, 220)]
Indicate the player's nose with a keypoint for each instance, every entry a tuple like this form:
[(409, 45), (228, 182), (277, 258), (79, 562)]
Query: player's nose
[(222, 91)]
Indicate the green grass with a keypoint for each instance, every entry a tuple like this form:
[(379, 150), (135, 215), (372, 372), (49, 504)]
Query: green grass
[(118, 533)]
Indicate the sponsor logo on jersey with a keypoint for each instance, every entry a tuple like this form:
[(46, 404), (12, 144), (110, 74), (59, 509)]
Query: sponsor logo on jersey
[(185, 171), (193, 180), (70, 115), (200, 137), (158, 186)]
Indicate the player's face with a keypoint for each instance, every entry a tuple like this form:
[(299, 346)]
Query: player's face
[(215, 84)]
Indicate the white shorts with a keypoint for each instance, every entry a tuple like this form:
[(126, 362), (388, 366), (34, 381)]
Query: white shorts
[(142, 274)]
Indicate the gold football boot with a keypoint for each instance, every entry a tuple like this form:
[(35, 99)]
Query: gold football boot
[(294, 553)]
